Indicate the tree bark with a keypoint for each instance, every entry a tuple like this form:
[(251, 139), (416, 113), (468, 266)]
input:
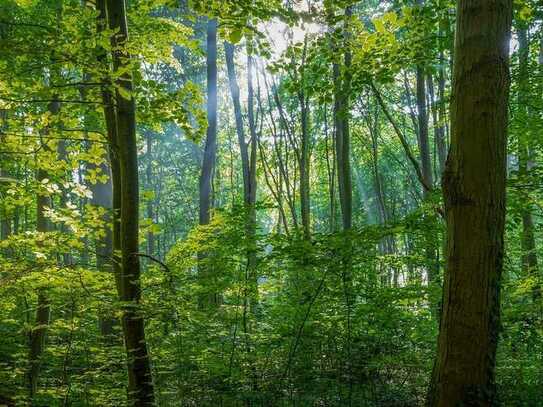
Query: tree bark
[(150, 203), (342, 88), (210, 149), (140, 384), (474, 194), (209, 157), (529, 255), (102, 196), (422, 121), (43, 308), (238, 115), (110, 119), (248, 160)]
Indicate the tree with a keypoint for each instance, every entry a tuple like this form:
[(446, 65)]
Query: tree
[(38, 333), (474, 193), (529, 253), (342, 90), (140, 382), (210, 149)]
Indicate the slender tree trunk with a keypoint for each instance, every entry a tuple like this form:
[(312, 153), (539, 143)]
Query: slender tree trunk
[(439, 127), (474, 194), (331, 170), (102, 196), (427, 173), (210, 154), (342, 88), (150, 200), (110, 119), (43, 308), (210, 149), (529, 255), (250, 195), (248, 161), (5, 224), (238, 115), (422, 121), (140, 383), (305, 170)]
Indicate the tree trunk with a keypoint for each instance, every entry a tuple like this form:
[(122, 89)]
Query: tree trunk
[(150, 203), (305, 168), (209, 157), (110, 118), (529, 255), (102, 196), (43, 308), (427, 174), (342, 88), (210, 149), (250, 194), (248, 161), (238, 115), (422, 125), (140, 384), (474, 194)]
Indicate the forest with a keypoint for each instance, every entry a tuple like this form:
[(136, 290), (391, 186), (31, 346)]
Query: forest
[(263, 203)]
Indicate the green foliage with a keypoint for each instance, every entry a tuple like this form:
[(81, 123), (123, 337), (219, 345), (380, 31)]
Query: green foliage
[(236, 316)]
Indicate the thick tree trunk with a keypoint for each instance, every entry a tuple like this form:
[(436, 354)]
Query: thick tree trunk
[(140, 384), (474, 193)]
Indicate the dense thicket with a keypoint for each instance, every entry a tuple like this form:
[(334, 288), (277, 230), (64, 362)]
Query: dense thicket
[(268, 203)]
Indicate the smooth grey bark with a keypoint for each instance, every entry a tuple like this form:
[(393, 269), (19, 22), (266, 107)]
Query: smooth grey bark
[(474, 194), (250, 195), (209, 157), (238, 115), (210, 148)]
